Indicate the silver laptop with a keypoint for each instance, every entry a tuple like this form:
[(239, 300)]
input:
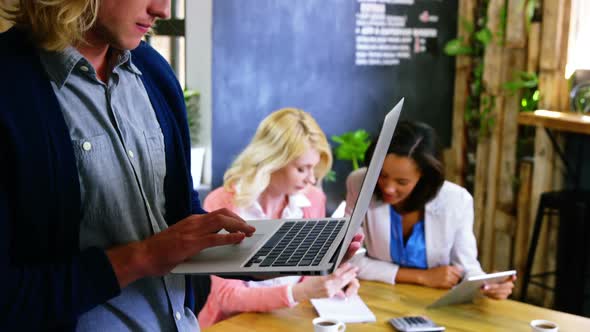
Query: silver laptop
[(297, 246)]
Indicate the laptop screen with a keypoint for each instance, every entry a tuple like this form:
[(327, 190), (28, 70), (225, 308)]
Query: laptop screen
[(370, 180)]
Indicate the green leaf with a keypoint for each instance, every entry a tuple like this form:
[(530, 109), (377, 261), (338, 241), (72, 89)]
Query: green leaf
[(468, 26), (188, 94), (330, 176), (352, 146), (467, 116), (360, 136), (485, 101), (523, 80), (338, 139), (457, 47), (478, 71), (512, 86), (484, 36)]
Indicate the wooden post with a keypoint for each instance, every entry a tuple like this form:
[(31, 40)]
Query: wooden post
[(563, 88), (456, 156), (498, 69), (521, 233), (493, 166), (458, 140), (503, 241), (492, 75), (480, 192), (552, 33), (501, 210), (534, 47), (515, 25), (449, 161), (466, 13), (514, 61)]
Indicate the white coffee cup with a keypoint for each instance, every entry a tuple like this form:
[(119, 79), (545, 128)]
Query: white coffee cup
[(328, 325), (541, 325)]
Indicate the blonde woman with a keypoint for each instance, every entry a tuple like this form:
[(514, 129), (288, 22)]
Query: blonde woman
[(96, 200), (275, 177)]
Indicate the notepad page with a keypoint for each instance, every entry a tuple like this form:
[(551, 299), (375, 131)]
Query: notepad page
[(349, 310)]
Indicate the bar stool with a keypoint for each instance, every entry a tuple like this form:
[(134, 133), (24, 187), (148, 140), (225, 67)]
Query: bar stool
[(573, 209)]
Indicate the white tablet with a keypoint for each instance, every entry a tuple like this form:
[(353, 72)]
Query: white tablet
[(469, 288)]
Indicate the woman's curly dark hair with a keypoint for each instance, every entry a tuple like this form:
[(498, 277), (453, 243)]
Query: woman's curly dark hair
[(417, 141)]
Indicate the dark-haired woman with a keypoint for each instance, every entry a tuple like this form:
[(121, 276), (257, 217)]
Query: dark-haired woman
[(419, 227)]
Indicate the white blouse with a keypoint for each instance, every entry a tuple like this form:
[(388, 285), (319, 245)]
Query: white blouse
[(448, 230), (293, 210)]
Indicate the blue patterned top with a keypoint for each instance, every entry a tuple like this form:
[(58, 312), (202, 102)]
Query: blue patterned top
[(412, 254)]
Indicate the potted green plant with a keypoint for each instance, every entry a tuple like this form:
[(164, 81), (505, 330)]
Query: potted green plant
[(351, 146), (192, 99)]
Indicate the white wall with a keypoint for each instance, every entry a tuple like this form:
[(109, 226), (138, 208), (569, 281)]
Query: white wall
[(198, 18)]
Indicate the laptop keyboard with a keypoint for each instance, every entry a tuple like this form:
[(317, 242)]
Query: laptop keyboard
[(298, 243)]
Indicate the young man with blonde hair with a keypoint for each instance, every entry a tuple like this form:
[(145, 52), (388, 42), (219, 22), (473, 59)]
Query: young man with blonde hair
[(96, 200)]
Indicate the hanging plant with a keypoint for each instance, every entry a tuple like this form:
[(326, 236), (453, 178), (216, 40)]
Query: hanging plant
[(478, 112)]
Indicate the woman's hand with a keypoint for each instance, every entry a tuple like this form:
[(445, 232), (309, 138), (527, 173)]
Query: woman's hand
[(499, 291), (355, 244), (445, 276), (328, 286)]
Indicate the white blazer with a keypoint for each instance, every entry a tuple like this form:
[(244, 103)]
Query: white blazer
[(448, 228)]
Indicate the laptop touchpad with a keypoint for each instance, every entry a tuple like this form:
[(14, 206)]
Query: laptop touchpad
[(230, 253)]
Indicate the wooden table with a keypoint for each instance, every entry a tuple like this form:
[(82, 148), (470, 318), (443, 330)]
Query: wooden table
[(388, 301)]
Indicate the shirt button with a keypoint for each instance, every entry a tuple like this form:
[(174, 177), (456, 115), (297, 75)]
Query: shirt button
[(130, 153), (84, 68), (86, 146), (177, 314)]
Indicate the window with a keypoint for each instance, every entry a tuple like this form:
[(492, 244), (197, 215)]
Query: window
[(578, 47), (168, 39)]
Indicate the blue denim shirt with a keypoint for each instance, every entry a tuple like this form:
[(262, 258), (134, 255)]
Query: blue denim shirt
[(413, 253), (120, 157)]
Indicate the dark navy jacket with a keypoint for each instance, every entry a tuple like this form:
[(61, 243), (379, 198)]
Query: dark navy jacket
[(46, 281)]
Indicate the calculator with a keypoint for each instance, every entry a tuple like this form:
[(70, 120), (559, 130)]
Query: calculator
[(415, 324)]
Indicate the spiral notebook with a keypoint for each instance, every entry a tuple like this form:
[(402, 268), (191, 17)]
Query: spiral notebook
[(349, 310)]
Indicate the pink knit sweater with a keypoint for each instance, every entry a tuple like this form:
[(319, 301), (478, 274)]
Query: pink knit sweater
[(229, 297)]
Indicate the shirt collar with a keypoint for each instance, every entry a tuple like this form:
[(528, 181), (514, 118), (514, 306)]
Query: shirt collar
[(298, 201), (293, 210), (125, 61), (60, 64)]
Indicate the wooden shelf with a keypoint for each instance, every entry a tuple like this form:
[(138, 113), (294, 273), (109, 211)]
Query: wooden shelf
[(563, 121)]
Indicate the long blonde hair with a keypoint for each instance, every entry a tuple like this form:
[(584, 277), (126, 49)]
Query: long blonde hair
[(53, 24), (282, 137)]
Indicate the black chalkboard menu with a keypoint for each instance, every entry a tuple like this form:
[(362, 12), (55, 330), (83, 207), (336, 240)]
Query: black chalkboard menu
[(347, 62)]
